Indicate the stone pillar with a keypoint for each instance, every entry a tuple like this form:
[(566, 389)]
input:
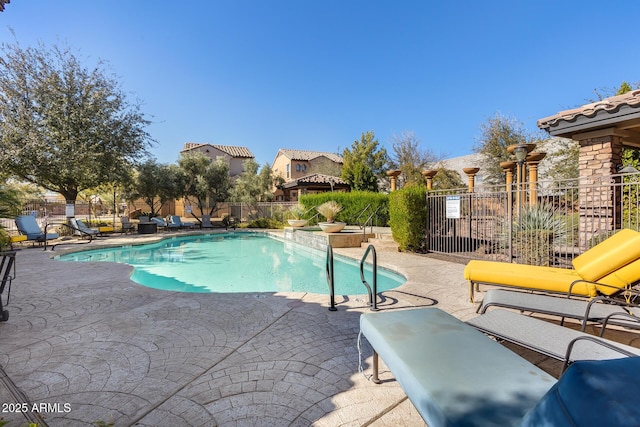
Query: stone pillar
[(393, 175), (429, 174), (508, 168), (600, 152), (471, 174), (533, 159)]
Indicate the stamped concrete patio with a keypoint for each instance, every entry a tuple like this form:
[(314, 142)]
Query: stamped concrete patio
[(85, 344)]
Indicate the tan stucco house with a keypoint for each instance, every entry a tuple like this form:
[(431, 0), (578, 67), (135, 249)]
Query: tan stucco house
[(306, 172), (233, 155)]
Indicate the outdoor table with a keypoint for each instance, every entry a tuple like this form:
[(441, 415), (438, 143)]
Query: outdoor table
[(147, 228)]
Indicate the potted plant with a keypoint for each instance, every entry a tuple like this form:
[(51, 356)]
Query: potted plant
[(296, 212), (330, 210)]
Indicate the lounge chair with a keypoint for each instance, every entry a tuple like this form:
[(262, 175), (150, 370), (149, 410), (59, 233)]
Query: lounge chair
[(160, 223), (174, 221), (28, 226), (206, 222), (606, 269), (591, 393), (558, 342), (80, 229), (456, 376), (127, 225), (7, 274), (603, 310)]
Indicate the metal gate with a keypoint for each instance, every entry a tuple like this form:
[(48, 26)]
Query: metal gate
[(548, 224)]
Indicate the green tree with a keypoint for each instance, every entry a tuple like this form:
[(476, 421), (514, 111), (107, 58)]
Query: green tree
[(608, 92), (251, 185), (364, 163), (63, 126), (157, 184), (410, 158), (9, 207), (207, 182), (498, 133), (563, 161), (447, 179)]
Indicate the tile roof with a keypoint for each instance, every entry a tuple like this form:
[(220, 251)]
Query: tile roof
[(608, 105), (232, 150), (316, 178), (308, 155)]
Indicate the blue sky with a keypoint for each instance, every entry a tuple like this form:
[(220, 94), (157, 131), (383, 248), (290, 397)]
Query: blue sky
[(315, 74)]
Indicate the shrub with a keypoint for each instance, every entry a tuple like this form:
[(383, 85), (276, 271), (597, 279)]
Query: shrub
[(353, 204), (262, 223), (408, 217)]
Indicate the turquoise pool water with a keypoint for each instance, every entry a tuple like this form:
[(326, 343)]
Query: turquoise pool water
[(236, 262)]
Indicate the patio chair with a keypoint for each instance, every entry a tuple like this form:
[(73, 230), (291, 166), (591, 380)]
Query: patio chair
[(603, 310), (174, 221), (160, 223), (427, 351), (127, 225), (559, 342), (7, 274), (606, 269), (81, 230), (28, 226), (591, 393), (206, 222)]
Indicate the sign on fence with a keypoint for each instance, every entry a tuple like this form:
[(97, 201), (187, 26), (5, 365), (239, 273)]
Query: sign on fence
[(453, 207)]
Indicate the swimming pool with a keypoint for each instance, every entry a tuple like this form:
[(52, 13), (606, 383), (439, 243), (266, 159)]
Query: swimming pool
[(236, 262)]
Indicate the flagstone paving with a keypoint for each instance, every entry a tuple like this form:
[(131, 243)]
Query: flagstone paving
[(84, 343)]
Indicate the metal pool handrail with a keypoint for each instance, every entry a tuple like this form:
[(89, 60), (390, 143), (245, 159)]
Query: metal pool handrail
[(372, 293), (330, 282)]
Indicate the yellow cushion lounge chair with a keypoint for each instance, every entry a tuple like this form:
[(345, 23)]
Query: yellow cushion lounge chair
[(605, 269)]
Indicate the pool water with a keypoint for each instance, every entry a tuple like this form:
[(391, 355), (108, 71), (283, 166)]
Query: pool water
[(237, 262)]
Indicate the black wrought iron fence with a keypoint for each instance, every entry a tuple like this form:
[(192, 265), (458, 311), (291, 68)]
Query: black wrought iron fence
[(548, 224)]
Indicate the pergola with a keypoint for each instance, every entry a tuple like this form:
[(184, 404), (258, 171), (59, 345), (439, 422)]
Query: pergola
[(602, 129), (315, 183)]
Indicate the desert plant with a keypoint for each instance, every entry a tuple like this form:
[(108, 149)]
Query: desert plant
[(297, 211), (535, 232), (329, 210)]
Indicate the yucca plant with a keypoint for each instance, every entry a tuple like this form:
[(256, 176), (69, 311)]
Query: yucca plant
[(535, 232), (297, 211), (329, 210)]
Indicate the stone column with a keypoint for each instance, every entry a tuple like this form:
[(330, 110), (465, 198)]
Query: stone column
[(429, 174), (600, 152), (393, 175), (508, 168), (471, 174), (533, 159)]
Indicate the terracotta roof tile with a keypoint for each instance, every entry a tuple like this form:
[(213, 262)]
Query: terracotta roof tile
[(232, 150), (316, 178), (309, 155), (319, 178), (609, 105)]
